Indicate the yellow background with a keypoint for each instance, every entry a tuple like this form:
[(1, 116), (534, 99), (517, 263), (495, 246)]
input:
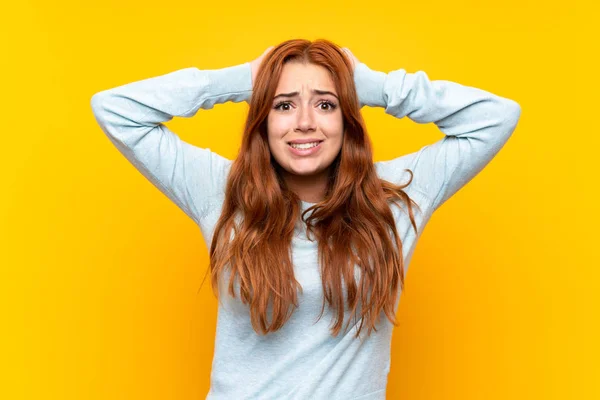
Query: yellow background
[(100, 271)]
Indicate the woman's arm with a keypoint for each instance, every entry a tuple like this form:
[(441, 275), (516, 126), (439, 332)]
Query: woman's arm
[(476, 123), (132, 117)]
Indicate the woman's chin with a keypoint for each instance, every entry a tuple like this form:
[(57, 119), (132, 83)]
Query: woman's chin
[(305, 170)]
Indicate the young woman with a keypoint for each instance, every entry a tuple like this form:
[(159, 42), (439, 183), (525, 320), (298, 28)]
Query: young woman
[(303, 218)]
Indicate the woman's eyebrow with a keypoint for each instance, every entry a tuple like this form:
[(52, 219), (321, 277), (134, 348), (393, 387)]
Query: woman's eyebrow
[(315, 91)]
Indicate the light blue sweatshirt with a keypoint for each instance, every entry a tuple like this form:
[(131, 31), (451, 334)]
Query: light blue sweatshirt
[(302, 360)]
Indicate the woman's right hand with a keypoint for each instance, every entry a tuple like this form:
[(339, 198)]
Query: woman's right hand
[(255, 64)]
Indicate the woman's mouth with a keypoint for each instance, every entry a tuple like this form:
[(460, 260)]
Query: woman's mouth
[(305, 149)]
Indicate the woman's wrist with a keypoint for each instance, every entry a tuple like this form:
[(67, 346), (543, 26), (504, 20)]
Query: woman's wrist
[(231, 83), (369, 86)]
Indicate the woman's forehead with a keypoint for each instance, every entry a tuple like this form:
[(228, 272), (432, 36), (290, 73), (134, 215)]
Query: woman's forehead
[(304, 78)]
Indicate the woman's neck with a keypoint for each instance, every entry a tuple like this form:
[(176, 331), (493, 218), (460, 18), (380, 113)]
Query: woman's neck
[(309, 188)]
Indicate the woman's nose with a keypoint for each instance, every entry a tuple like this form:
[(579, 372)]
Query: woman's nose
[(306, 120)]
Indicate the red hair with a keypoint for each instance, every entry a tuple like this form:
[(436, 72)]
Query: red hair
[(354, 225)]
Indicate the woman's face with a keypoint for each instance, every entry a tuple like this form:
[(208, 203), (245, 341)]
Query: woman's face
[(305, 107)]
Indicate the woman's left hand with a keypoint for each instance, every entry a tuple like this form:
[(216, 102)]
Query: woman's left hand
[(352, 57)]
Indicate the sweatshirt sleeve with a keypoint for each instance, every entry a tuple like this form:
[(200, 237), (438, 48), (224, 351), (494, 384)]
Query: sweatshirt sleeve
[(476, 125), (132, 117)]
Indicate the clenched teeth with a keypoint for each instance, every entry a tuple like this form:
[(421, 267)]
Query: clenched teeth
[(304, 146)]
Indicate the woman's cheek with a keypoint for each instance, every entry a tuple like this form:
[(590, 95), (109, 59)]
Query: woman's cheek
[(277, 126)]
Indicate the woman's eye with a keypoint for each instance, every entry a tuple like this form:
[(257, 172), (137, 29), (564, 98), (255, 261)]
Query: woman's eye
[(280, 106), (283, 104), (329, 104)]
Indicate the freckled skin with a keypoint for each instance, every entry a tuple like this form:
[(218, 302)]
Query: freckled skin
[(308, 115)]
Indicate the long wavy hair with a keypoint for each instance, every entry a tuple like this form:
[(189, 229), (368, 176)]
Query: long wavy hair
[(353, 225)]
